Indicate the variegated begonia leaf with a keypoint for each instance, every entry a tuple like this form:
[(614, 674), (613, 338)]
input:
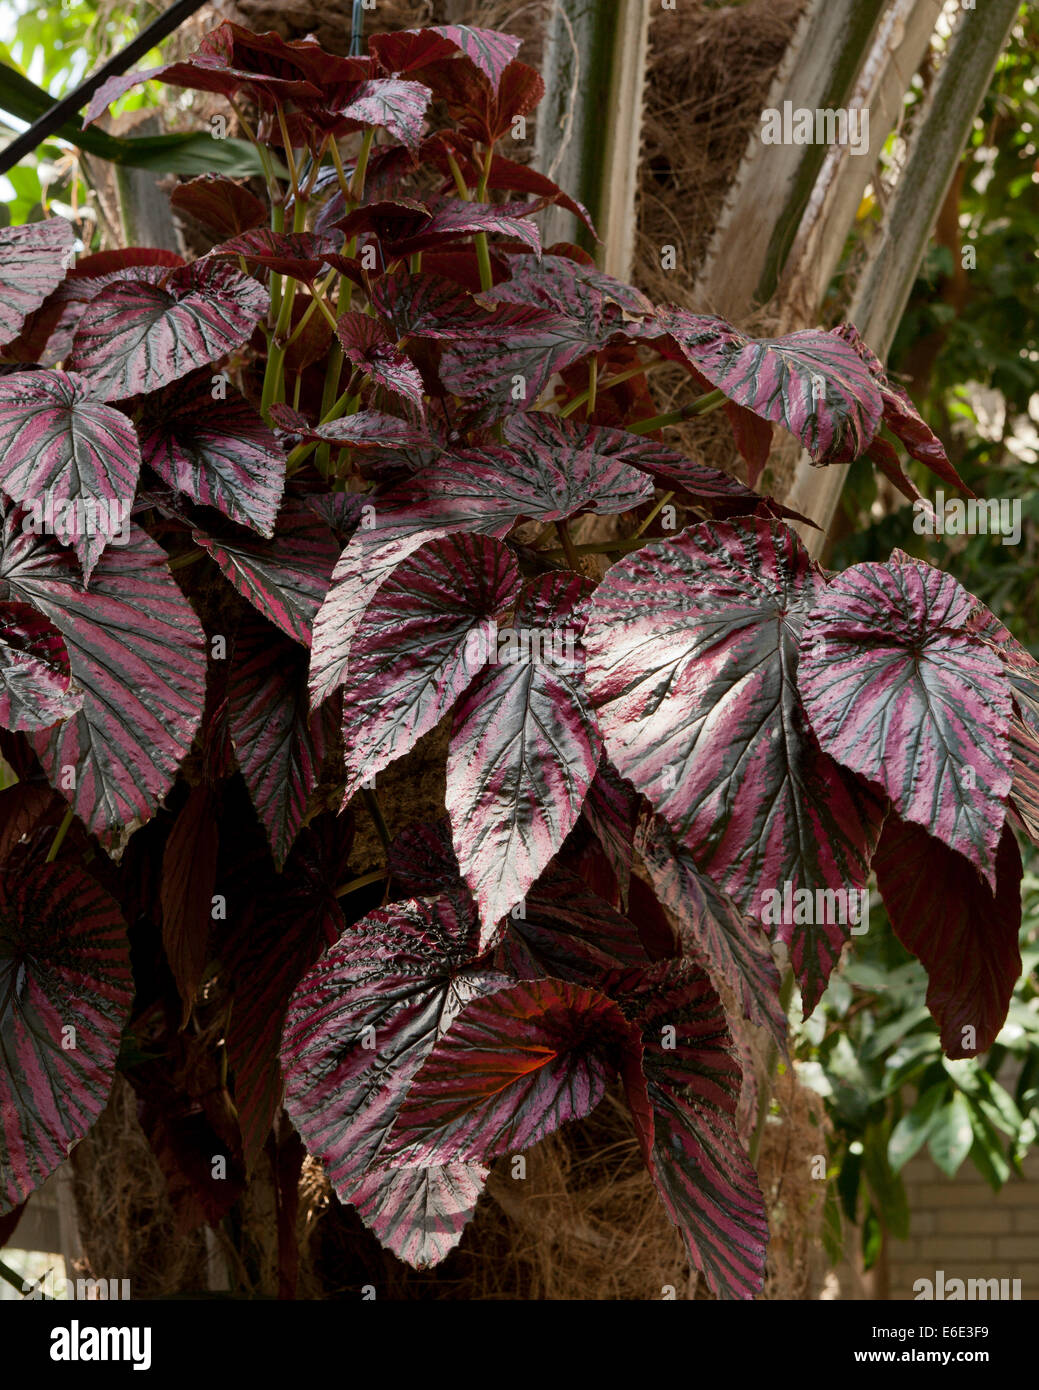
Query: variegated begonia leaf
[(69, 456), (423, 638), (692, 650), (524, 749), (360, 1024), (136, 651), (33, 262), (136, 336), (898, 690)]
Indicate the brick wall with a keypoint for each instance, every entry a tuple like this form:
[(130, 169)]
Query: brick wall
[(964, 1228)]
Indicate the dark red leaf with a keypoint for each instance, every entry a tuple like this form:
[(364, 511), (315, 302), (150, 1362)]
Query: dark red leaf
[(902, 417), (230, 58), (220, 204), (276, 935), (368, 428), (411, 49), (299, 254), (398, 106), (280, 746), (701, 1170), (731, 946), (568, 932), (964, 933), (186, 896), (513, 1066)]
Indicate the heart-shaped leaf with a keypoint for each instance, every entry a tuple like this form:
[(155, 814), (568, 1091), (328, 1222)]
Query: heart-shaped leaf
[(359, 1026), (65, 992), (217, 451), (524, 749), (135, 337), (899, 691), (513, 1066), (966, 935), (692, 652), (33, 262), (428, 630), (63, 447), (136, 650)]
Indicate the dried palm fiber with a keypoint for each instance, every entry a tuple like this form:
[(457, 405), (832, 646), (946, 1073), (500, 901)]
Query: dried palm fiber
[(126, 1223), (710, 70)]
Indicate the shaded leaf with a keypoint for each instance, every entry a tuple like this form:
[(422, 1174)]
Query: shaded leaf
[(279, 745), (513, 1066), (186, 896), (218, 452), (65, 992), (370, 346), (966, 935), (220, 204), (732, 946), (701, 1170), (34, 671), (286, 578)]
